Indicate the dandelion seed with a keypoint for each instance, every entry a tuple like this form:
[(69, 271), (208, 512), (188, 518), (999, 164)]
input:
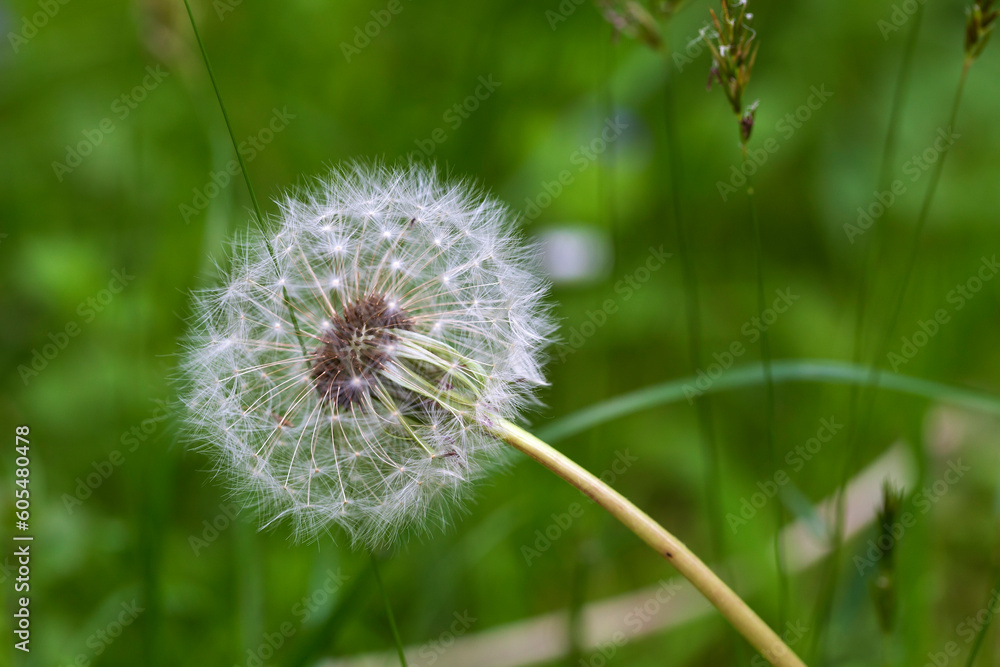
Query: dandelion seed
[(386, 384)]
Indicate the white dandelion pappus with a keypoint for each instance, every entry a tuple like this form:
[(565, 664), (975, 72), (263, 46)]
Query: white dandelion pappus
[(420, 319)]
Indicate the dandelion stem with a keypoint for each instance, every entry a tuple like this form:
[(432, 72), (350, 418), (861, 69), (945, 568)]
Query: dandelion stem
[(388, 611), (246, 174), (732, 607)]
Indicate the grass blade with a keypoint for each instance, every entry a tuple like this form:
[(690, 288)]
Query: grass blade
[(751, 375), (859, 426), (769, 400), (324, 636), (981, 633), (388, 611)]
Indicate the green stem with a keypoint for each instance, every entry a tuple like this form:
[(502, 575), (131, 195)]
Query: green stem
[(388, 612), (765, 357), (692, 302), (325, 633), (981, 633), (872, 247), (246, 177), (882, 183), (732, 607), (825, 604), (911, 259), (225, 114)]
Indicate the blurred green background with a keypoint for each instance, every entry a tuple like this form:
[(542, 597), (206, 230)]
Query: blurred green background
[(111, 135)]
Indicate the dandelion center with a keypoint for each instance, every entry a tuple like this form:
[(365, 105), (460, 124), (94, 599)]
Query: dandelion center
[(355, 347)]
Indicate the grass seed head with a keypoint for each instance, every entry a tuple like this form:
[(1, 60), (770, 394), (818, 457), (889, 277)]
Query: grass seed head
[(631, 18), (981, 16), (883, 586), (733, 46)]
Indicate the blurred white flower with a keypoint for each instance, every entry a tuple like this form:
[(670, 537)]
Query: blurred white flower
[(575, 254), (420, 319)]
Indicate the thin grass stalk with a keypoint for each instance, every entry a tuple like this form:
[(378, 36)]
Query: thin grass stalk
[(692, 303), (388, 612), (765, 357), (875, 372), (246, 174), (981, 632), (734, 52), (325, 634), (872, 247), (248, 579), (874, 244)]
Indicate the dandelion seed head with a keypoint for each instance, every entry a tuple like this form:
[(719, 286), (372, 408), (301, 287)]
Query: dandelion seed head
[(341, 374)]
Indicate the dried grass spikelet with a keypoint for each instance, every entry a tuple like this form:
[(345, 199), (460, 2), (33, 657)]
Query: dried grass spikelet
[(734, 52), (883, 587), (980, 19), (639, 20)]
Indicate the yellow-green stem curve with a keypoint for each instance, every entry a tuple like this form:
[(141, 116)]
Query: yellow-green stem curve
[(732, 607)]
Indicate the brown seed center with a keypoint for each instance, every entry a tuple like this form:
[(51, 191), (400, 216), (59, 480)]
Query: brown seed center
[(355, 347)]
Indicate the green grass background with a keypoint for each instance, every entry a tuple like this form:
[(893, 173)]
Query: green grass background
[(64, 235)]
